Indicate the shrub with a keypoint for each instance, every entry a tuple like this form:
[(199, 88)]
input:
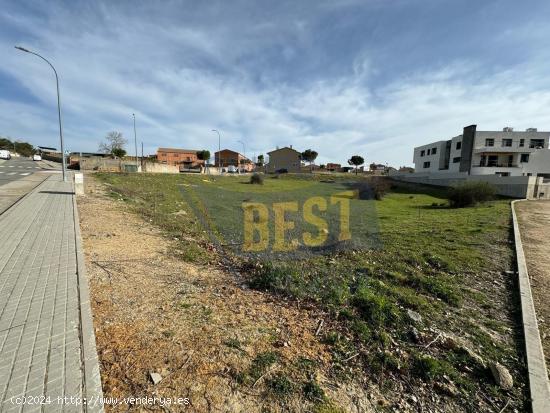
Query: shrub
[(470, 194), (380, 186), (257, 179)]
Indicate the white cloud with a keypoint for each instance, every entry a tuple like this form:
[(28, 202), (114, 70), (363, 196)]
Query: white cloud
[(182, 80)]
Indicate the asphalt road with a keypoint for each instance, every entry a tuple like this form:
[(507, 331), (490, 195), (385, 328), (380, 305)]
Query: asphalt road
[(18, 168), (18, 176)]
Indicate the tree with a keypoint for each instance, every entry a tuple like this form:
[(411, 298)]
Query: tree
[(260, 160), (22, 148), (203, 155), (118, 152), (114, 144), (356, 161), (309, 156)]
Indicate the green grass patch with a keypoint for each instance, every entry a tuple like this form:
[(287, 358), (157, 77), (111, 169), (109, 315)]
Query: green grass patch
[(428, 257)]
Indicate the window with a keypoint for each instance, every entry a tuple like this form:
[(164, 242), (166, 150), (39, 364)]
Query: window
[(483, 160), (489, 142), (502, 173), (434, 151), (426, 164), (459, 145), (492, 160), (428, 151), (524, 158), (456, 160), (522, 143), (536, 143), (422, 153), (507, 142)]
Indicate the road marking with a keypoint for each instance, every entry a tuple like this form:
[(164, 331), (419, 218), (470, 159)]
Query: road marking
[(11, 166), (25, 174), (12, 173)]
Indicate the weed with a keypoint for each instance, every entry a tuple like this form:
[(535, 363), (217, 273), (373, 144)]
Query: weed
[(429, 368), (233, 343), (261, 363), (313, 392), (280, 386), (376, 309)]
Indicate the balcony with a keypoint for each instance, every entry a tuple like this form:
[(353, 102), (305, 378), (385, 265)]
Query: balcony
[(503, 149), (496, 165)]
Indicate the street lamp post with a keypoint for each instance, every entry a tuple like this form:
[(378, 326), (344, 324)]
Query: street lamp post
[(219, 149), (244, 148), (63, 162), (135, 140), (244, 153)]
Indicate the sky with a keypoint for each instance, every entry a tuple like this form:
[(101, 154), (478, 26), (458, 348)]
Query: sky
[(343, 77)]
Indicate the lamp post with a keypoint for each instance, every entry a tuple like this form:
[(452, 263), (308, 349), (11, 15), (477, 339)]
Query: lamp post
[(244, 148), (135, 140), (63, 162), (219, 149), (244, 154)]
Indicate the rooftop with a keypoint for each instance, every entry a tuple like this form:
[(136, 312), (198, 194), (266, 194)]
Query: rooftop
[(176, 150)]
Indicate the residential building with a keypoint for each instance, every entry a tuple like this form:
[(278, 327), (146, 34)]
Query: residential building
[(504, 153), (333, 167), (186, 158), (227, 157), (284, 158)]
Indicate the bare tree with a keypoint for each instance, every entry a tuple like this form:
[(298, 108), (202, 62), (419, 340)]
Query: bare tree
[(114, 143)]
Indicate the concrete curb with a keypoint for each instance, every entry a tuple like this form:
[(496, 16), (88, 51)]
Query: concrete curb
[(539, 386), (90, 362)]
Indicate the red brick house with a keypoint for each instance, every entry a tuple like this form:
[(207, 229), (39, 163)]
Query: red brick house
[(232, 158), (186, 158)]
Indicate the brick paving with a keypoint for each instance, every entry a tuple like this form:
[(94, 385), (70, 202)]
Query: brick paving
[(47, 347)]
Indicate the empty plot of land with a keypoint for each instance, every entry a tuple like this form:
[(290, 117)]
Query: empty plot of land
[(534, 221)]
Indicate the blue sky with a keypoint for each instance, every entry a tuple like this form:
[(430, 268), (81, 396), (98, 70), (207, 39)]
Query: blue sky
[(344, 77)]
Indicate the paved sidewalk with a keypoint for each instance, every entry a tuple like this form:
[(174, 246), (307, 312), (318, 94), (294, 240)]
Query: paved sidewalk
[(47, 345)]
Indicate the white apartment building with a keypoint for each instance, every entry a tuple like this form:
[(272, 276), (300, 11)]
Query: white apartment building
[(503, 153)]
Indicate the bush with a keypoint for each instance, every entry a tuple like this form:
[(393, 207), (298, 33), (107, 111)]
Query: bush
[(380, 186), (470, 194), (257, 179)]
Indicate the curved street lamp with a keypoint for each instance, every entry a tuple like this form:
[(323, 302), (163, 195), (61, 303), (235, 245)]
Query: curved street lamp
[(135, 140), (63, 162), (244, 154), (219, 149)]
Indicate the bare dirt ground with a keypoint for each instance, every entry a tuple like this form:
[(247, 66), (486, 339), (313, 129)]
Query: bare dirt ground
[(534, 222), (193, 325)]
